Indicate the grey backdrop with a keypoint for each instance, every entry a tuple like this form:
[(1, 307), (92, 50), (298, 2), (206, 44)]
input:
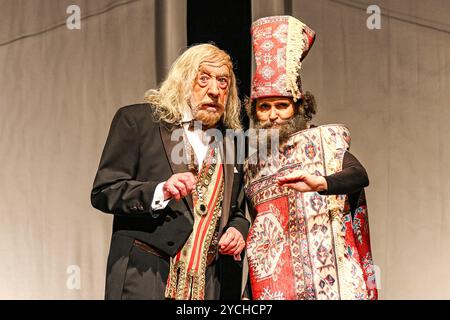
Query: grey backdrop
[(60, 89)]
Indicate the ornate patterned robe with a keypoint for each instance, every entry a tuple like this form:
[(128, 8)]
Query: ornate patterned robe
[(305, 245)]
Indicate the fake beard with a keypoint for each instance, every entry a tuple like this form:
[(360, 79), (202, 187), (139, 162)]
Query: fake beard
[(285, 130), (209, 119)]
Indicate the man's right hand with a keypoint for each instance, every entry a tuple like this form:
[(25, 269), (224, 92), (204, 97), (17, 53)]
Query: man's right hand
[(179, 186)]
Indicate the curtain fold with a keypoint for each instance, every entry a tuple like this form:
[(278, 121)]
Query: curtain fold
[(60, 90)]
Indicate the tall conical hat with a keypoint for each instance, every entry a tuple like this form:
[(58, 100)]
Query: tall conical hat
[(280, 43)]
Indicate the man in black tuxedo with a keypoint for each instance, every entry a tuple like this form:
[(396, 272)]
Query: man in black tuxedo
[(176, 218)]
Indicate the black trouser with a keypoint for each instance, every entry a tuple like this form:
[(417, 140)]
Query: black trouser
[(146, 276)]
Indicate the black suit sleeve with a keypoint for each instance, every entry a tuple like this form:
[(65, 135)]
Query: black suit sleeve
[(237, 213), (351, 179), (240, 222), (115, 189)]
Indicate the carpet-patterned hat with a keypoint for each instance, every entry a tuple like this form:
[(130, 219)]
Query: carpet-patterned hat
[(280, 43)]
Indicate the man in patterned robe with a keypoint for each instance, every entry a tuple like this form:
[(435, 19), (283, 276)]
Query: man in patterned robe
[(310, 234)]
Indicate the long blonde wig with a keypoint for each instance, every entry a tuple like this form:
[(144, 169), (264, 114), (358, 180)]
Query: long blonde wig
[(174, 93)]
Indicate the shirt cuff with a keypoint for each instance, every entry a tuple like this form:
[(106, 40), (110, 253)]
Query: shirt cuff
[(158, 202)]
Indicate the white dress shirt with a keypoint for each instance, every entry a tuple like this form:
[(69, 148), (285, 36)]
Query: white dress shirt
[(200, 147)]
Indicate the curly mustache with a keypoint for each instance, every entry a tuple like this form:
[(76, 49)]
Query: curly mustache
[(207, 117)]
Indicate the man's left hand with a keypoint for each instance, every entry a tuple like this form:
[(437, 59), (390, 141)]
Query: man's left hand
[(232, 242)]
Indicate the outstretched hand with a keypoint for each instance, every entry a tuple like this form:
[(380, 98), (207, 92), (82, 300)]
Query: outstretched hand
[(303, 181)]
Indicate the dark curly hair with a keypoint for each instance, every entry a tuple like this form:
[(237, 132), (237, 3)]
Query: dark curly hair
[(306, 105)]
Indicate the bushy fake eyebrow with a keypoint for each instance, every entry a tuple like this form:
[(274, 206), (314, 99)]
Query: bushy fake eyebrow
[(218, 76)]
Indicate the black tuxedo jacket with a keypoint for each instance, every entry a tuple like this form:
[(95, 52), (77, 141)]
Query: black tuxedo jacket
[(135, 159)]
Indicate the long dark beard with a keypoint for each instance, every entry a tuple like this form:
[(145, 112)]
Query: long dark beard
[(285, 130)]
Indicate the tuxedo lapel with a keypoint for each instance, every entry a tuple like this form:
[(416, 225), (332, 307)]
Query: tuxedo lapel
[(169, 144)]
